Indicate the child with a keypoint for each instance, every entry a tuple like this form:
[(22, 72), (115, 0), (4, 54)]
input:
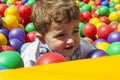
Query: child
[(57, 26)]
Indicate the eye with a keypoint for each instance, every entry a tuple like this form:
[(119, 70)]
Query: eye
[(75, 31), (61, 35)]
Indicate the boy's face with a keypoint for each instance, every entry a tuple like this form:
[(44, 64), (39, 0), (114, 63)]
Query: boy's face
[(63, 38)]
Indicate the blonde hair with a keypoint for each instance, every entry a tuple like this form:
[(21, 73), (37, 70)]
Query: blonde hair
[(46, 11)]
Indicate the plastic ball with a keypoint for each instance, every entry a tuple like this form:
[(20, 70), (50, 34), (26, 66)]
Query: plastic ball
[(95, 15), (118, 28), (30, 3), (117, 6), (103, 31), (114, 16), (96, 53), (29, 27), (25, 11), (114, 48), (10, 22), (25, 1), (99, 24), (102, 45), (97, 2), (86, 1), (103, 11), (30, 37), (97, 41), (113, 37), (112, 4), (89, 30), (89, 40), (4, 1), (11, 59), (2, 68), (20, 3), (86, 7), (114, 26), (81, 4), (3, 39), (105, 3), (11, 1), (6, 48), (16, 44), (87, 16), (21, 26), (17, 33), (104, 19), (50, 57), (112, 9), (81, 25), (94, 20), (91, 3), (2, 9), (26, 21), (4, 31)]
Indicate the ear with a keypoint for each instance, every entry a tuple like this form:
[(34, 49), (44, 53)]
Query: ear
[(40, 37)]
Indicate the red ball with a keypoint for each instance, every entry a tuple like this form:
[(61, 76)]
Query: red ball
[(30, 37), (25, 11), (89, 30), (6, 48), (20, 3), (98, 2), (114, 26), (87, 16), (104, 19), (81, 16), (50, 57), (86, 1), (95, 15), (2, 9), (103, 31)]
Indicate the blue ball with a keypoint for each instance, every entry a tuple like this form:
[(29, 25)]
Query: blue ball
[(2, 68), (105, 3), (113, 37), (98, 41), (25, 1), (96, 53)]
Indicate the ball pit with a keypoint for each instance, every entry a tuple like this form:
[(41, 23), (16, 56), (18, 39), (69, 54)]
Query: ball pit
[(97, 22)]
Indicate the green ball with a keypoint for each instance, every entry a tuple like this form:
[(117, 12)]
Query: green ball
[(81, 4), (81, 25), (11, 59), (86, 7), (30, 3), (113, 48), (3, 1), (112, 9), (103, 11), (29, 27), (112, 4)]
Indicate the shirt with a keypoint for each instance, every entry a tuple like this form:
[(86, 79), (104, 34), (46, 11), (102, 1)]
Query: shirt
[(30, 52)]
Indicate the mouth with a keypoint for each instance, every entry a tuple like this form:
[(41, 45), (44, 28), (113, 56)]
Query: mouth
[(69, 48)]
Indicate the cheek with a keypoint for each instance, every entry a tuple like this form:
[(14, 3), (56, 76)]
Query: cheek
[(55, 44), (77, 40)]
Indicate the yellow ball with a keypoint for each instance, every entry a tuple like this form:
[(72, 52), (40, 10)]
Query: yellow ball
[(10, 22), (116, 1), (99, 24), (11, 1), (12, 10), (21, 26), (91, 3), (94, 20), (114, 16), (118, 28), (102, 46), (117, 6), (3, 39)]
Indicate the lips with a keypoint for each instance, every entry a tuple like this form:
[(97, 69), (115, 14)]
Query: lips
[(71, 47)]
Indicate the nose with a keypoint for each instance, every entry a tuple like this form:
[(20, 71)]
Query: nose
[(70, 40)]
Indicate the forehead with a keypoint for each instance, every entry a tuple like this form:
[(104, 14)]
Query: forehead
[(59, 26)]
